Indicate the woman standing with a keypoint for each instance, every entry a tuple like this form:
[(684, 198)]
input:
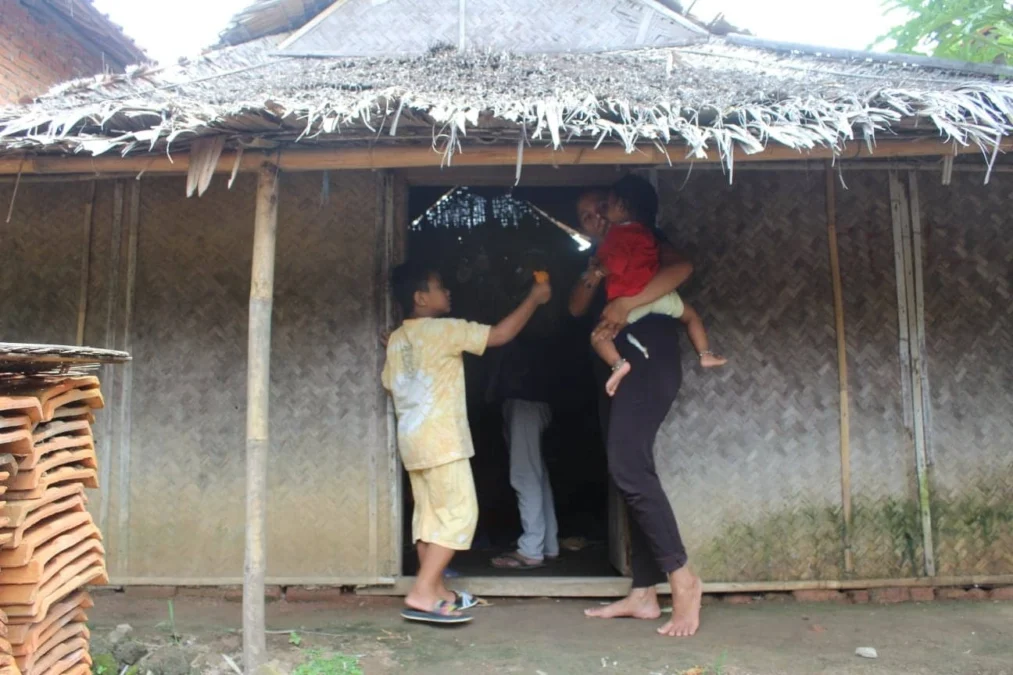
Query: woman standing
[(636, 413)]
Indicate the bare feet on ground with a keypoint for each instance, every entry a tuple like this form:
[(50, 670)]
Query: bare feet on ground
[(617, 376), (709, 360), (687, 592), (639, 604)]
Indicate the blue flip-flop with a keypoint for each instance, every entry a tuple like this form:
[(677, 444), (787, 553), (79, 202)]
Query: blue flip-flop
[(464, 600), (441, 614)]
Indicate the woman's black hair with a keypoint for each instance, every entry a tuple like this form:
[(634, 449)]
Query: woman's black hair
[(408, 279), (639, 197)]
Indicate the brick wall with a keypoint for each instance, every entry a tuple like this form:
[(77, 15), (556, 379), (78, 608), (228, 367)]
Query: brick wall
[(39, 49)]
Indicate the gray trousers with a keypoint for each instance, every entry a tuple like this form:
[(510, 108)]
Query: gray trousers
[(524, 422)]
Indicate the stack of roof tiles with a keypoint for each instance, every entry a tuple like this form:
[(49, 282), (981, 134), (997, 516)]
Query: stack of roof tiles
[(50, 549)]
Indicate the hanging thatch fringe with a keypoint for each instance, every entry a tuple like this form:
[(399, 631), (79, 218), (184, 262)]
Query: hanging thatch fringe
[(204, 156), (718, 97)]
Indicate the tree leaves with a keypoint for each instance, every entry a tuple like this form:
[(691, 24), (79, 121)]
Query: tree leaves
[(966, 30)]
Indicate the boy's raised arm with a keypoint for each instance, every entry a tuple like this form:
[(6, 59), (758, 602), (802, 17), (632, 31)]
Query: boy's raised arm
[(507, 329)]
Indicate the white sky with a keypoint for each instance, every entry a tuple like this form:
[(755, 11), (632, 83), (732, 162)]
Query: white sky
[(195, 24)]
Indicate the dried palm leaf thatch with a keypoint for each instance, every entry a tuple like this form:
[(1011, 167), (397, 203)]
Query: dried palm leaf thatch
[(693, 100)]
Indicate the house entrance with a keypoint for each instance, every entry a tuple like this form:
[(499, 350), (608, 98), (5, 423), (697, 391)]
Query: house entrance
[(485, 242)]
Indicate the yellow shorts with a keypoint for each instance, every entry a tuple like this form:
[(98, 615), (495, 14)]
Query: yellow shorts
[(670, 305), (446, 508)]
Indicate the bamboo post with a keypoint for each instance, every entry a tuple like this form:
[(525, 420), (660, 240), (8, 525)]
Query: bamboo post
[(257, 410), (842, 364)]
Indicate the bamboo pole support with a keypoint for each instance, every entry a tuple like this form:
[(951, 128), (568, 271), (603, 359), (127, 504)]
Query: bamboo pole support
[(257, 413), (842, 365)]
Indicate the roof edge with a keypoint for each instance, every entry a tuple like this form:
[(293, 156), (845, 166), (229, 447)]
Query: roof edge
[(892, 58)]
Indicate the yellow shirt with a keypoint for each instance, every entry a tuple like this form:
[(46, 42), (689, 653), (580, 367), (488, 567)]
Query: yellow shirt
[(425, 375)]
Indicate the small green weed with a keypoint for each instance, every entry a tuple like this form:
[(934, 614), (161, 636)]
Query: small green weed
[(170, 625), (318, 663), (294, 639)]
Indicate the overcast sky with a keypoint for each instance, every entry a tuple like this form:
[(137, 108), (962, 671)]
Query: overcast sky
[(195, 24)]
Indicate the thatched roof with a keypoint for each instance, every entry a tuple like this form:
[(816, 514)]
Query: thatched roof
[(716, 95)]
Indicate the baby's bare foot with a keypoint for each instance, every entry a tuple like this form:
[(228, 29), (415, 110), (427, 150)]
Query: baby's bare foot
[(712, 360), (619, 371)]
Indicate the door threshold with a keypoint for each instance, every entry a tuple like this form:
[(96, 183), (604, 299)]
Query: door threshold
[(520, 587)]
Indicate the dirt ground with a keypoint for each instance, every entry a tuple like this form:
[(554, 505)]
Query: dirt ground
[(551, 637)]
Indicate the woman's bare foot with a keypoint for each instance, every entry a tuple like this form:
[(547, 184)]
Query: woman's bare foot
[(687, 593), (712, 360), (641, 603), (619, 371)]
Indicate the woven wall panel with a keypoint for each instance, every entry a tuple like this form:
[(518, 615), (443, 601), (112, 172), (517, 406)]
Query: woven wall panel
[(969, 314), (749, 454), (886, 533), (369, 28), (41, 249), (189, 381), (324, 420), (189, 389)]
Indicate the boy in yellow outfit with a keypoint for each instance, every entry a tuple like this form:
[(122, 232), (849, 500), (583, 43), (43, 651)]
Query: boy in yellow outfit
[(424, 373)]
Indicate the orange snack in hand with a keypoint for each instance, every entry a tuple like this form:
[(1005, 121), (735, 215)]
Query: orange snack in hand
[(541, 277)]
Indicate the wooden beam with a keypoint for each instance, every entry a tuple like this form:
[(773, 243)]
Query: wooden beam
[(616, 587), (258, 374), (394, 157), (842, 364)]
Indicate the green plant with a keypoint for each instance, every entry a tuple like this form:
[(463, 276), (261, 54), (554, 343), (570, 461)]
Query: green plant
[(170, 625), (968, 30), (294, 639), (331, 664)]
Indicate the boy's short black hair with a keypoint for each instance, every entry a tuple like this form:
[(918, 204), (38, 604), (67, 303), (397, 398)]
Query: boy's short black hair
[(639, 197), (408, 279)]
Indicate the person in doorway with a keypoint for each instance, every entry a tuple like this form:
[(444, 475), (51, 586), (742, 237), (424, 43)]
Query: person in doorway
[(628, 259), (522, 381), (634, 417), (424, 372)]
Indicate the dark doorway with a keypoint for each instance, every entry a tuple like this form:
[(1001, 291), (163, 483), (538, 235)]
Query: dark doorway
[(483, 241)]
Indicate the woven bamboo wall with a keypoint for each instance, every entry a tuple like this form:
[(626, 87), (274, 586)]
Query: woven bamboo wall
[(886, 538), (174, 487), (969, 313), (750, 456), (749, 453), (42, 248)]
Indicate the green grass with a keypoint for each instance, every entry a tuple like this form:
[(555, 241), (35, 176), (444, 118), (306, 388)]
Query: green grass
[(318, 663)]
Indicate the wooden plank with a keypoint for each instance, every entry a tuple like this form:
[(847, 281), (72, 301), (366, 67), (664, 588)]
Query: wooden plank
[(124, 390), (616, 587), (86, 245), (336, 581), (897, 198), (842, 364), (398, 157), (911, 358), (919, 272)]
